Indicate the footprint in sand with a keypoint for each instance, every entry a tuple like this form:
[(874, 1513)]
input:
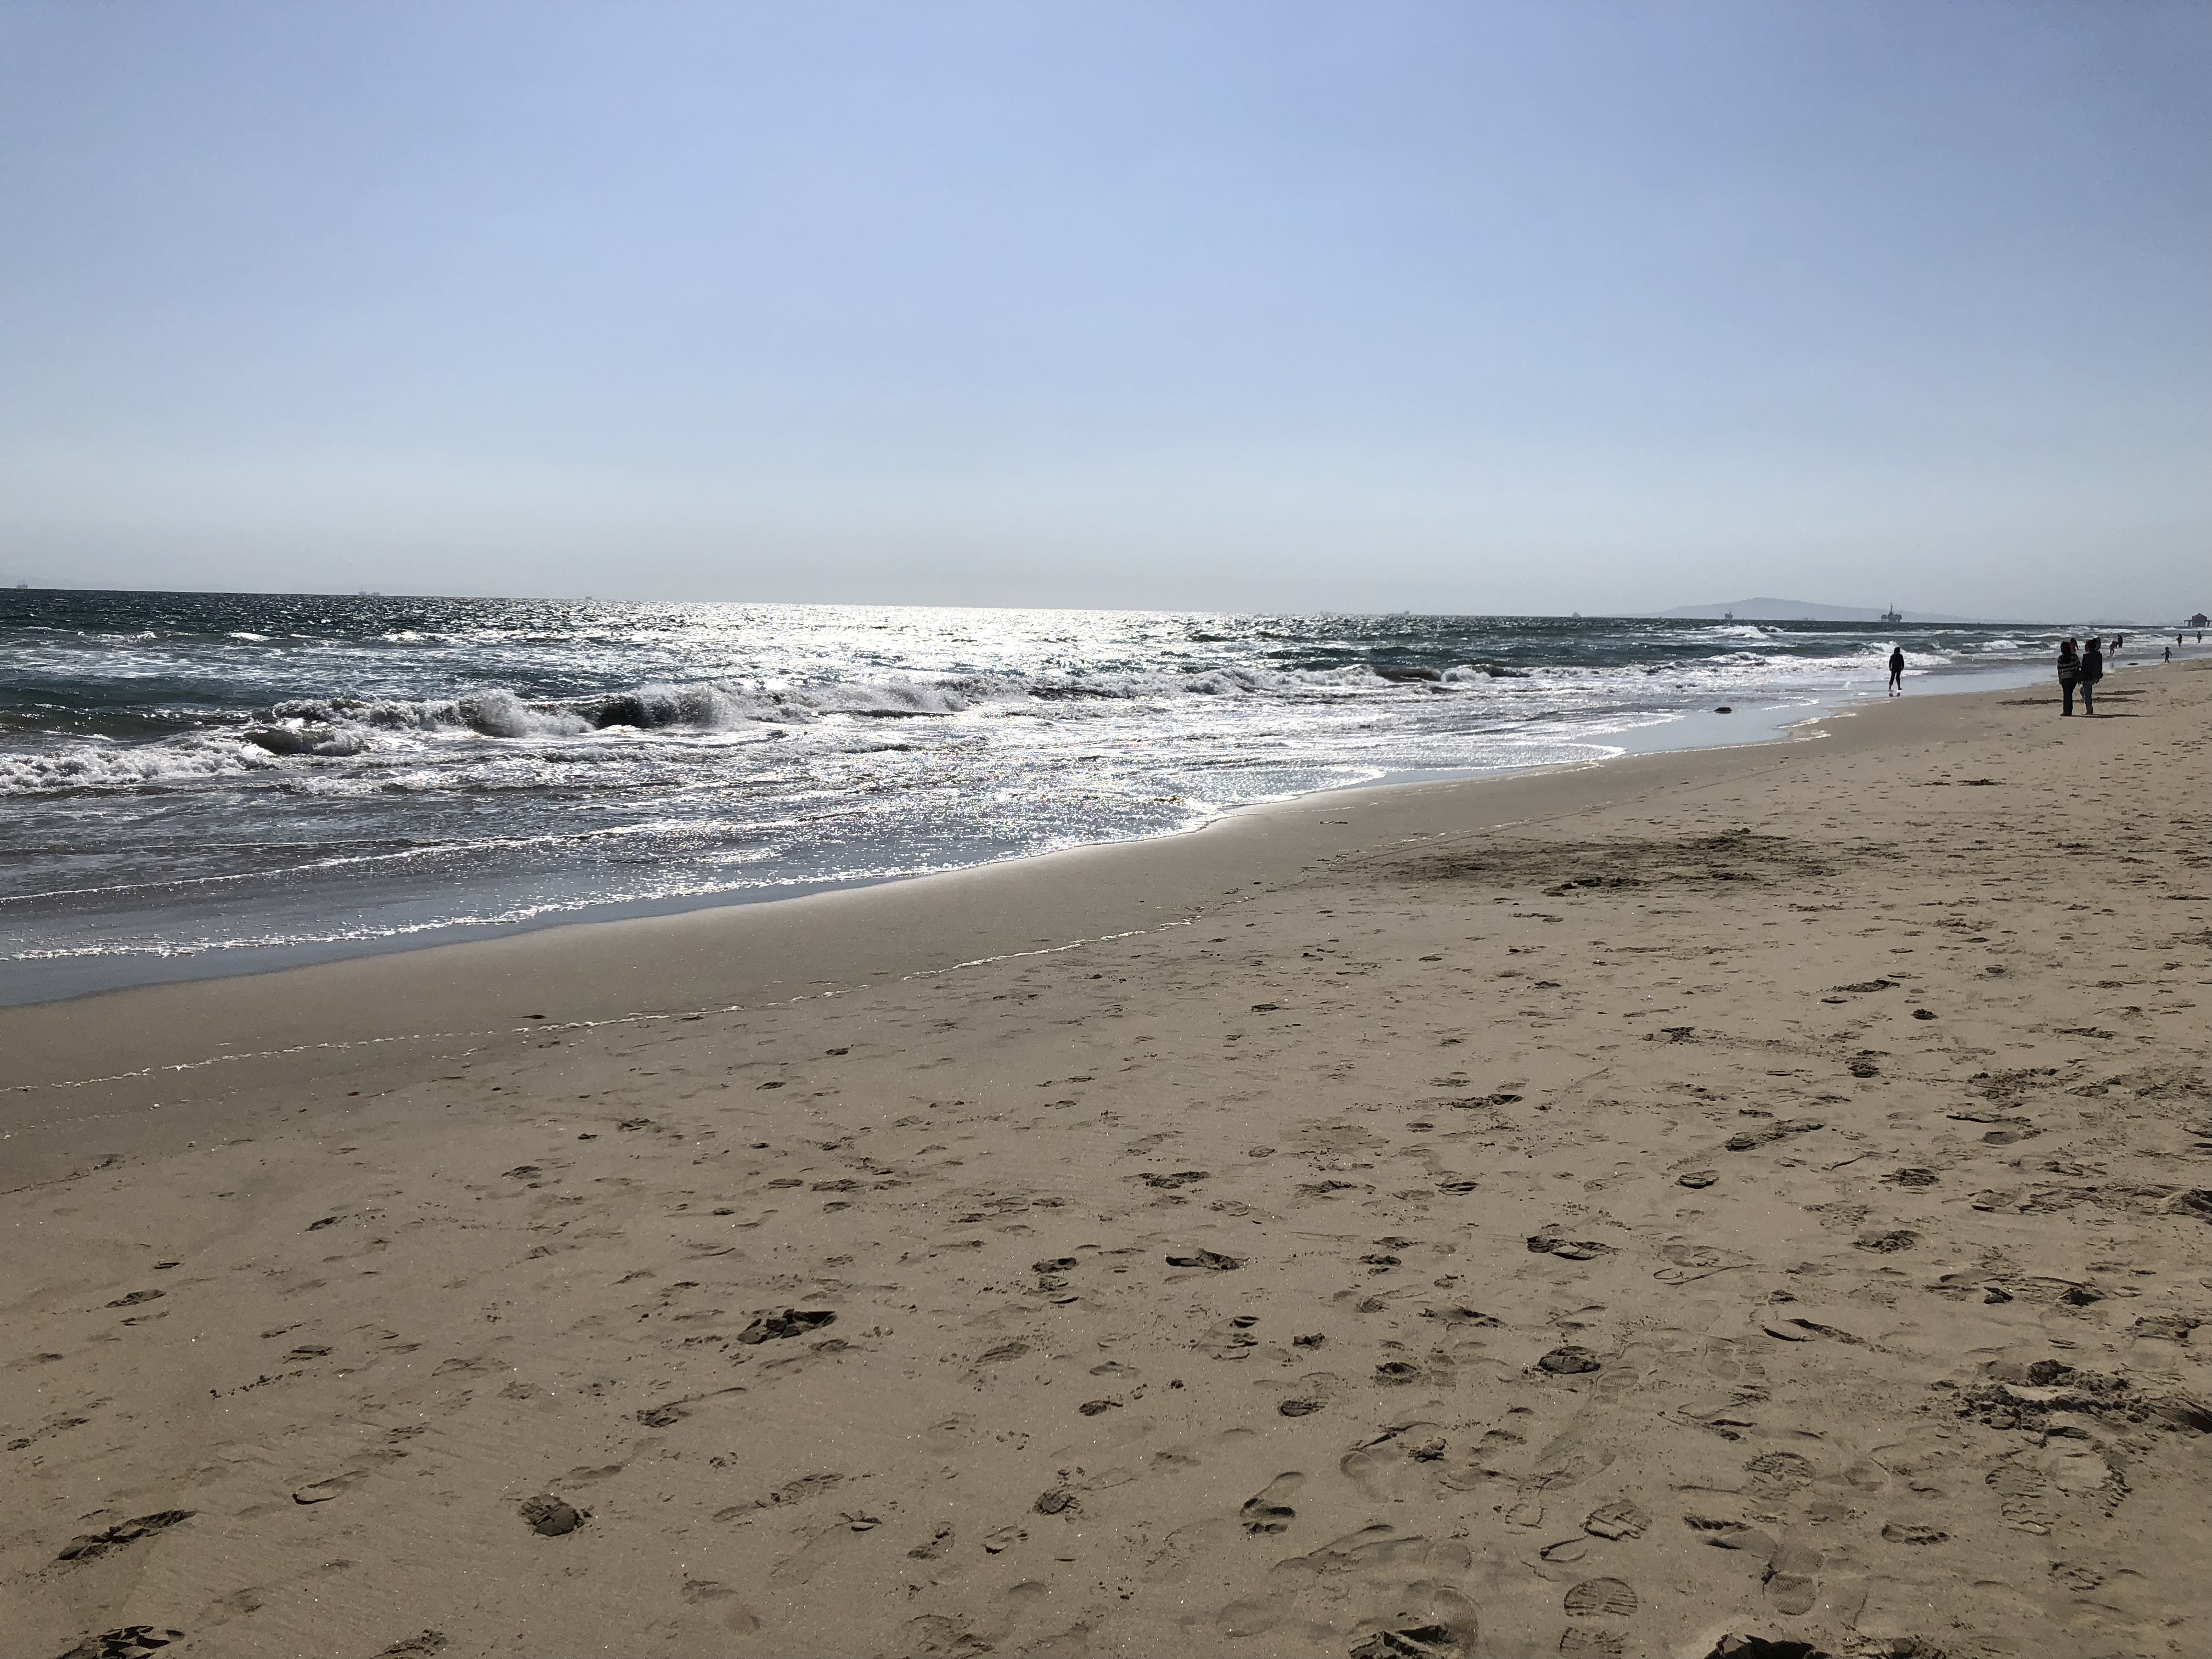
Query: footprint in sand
[(1571, 1459), (549, 1517), (1419, 1642), (131, 1641), (1568, 1361), (1424, 1460), (1210, 1260), (1549, 1242), (1907, 1532), (792, 1322), (1230, 1339), (933, 1636), (939, 1542), (1459, 1318), (708, 1592), (1688, 1262), (1600, 1598), (1790, 1582), (418, 1646), (1616, 1520), (1392, 1597), (1781, 1472), (1268, 1510), (1890, 1242), (1724, 1535), (87, 1547)]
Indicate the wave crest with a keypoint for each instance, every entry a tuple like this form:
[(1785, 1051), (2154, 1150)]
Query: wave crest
[(105, 766)]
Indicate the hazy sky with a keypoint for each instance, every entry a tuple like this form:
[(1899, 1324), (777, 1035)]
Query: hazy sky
[(1364, 305)]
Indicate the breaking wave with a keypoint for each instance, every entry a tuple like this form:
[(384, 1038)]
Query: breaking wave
[(335, 728), (193, 774)]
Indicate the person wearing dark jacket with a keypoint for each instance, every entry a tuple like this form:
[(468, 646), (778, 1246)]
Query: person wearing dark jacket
[(1897, 672), (2069, 672), (2093, 669)]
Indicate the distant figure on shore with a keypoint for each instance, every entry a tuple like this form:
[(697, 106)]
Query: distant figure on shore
[(2093, 669), (1897, 672), (2169, 654), (2069, 672)]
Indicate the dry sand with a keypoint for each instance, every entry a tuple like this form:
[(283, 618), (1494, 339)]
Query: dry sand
[(1750, 1194)]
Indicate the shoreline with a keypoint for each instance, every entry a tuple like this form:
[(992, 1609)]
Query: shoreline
[(180, 1043), (30, 984)]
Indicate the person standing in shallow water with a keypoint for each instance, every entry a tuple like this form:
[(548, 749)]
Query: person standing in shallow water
[(1897, 672), (2093, 669), (2069, 672)]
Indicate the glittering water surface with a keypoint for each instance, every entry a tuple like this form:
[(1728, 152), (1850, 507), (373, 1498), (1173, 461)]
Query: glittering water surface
[(195, 774)]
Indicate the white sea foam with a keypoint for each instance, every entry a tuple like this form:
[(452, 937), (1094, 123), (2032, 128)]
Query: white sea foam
[(106, 766), (318, 771)]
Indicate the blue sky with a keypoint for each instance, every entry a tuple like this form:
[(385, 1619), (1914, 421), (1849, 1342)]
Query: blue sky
[(1271, 305)]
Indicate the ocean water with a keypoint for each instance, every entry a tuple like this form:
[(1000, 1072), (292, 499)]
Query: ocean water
[(208, 783)]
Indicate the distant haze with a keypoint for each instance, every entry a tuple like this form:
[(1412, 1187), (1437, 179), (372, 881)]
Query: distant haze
[(1234, 304)]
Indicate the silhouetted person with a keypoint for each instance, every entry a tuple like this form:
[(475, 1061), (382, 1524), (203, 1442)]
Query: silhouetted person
[(2069, 672), (1897, 672), (2093, 669)]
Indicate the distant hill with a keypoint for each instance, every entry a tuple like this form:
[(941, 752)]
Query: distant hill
[(1798, 610)]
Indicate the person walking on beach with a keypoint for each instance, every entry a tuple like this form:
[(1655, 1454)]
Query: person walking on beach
[(2069, 672), (2093, 669), (1897, 672)]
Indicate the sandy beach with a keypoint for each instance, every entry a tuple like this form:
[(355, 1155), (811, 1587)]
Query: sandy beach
[(1757, 1193)]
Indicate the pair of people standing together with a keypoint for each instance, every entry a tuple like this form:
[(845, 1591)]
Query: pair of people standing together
[(2080, 667)]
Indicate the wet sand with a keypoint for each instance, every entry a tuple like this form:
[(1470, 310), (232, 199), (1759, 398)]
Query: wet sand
[(1758, 1193)]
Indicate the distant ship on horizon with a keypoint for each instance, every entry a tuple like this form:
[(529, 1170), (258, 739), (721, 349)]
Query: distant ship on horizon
[(1773, 610)]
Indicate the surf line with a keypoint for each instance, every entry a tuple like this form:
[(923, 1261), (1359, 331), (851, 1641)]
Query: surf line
[(679, 1015)]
